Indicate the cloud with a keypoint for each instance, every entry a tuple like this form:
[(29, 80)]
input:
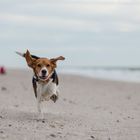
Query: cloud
[(72, 23), (49, 22)]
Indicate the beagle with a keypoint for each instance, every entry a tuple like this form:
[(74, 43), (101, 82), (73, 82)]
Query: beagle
[(45, 80)]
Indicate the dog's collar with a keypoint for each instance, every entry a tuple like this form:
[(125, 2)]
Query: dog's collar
[(35, 78)]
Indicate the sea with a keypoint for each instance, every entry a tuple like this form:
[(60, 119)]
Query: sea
[(105, 73)]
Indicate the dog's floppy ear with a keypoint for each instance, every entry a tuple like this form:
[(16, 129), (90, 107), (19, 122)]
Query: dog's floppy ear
[(30, 61), (54, 60), (57, 58)]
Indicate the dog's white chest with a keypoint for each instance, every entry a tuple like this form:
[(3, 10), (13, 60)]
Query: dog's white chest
[(45, 91)]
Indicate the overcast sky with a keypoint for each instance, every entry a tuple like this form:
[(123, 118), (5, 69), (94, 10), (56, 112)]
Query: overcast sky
[(87, 32)]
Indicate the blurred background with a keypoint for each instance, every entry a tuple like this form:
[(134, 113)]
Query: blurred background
[(99, 38)]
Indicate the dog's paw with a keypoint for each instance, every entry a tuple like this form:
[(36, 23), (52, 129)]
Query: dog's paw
[(54, 98)]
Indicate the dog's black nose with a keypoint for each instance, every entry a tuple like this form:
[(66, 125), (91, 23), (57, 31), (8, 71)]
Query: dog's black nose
[(44, 72)]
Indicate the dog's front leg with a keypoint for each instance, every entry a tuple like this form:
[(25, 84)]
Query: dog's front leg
[(38, 106), (40, 112)]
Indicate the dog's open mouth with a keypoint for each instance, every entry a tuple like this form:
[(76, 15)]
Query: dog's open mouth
[(43, 77)]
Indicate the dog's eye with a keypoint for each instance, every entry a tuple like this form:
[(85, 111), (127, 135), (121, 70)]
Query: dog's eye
[(48, 65), (39, 65)]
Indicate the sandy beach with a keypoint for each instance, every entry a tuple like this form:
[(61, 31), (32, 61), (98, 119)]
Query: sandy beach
[(87, 109)]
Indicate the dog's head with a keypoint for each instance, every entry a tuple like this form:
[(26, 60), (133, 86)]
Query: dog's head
[(42, 67)]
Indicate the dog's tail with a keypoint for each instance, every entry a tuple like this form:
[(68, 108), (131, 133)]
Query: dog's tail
[(21, 54)]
